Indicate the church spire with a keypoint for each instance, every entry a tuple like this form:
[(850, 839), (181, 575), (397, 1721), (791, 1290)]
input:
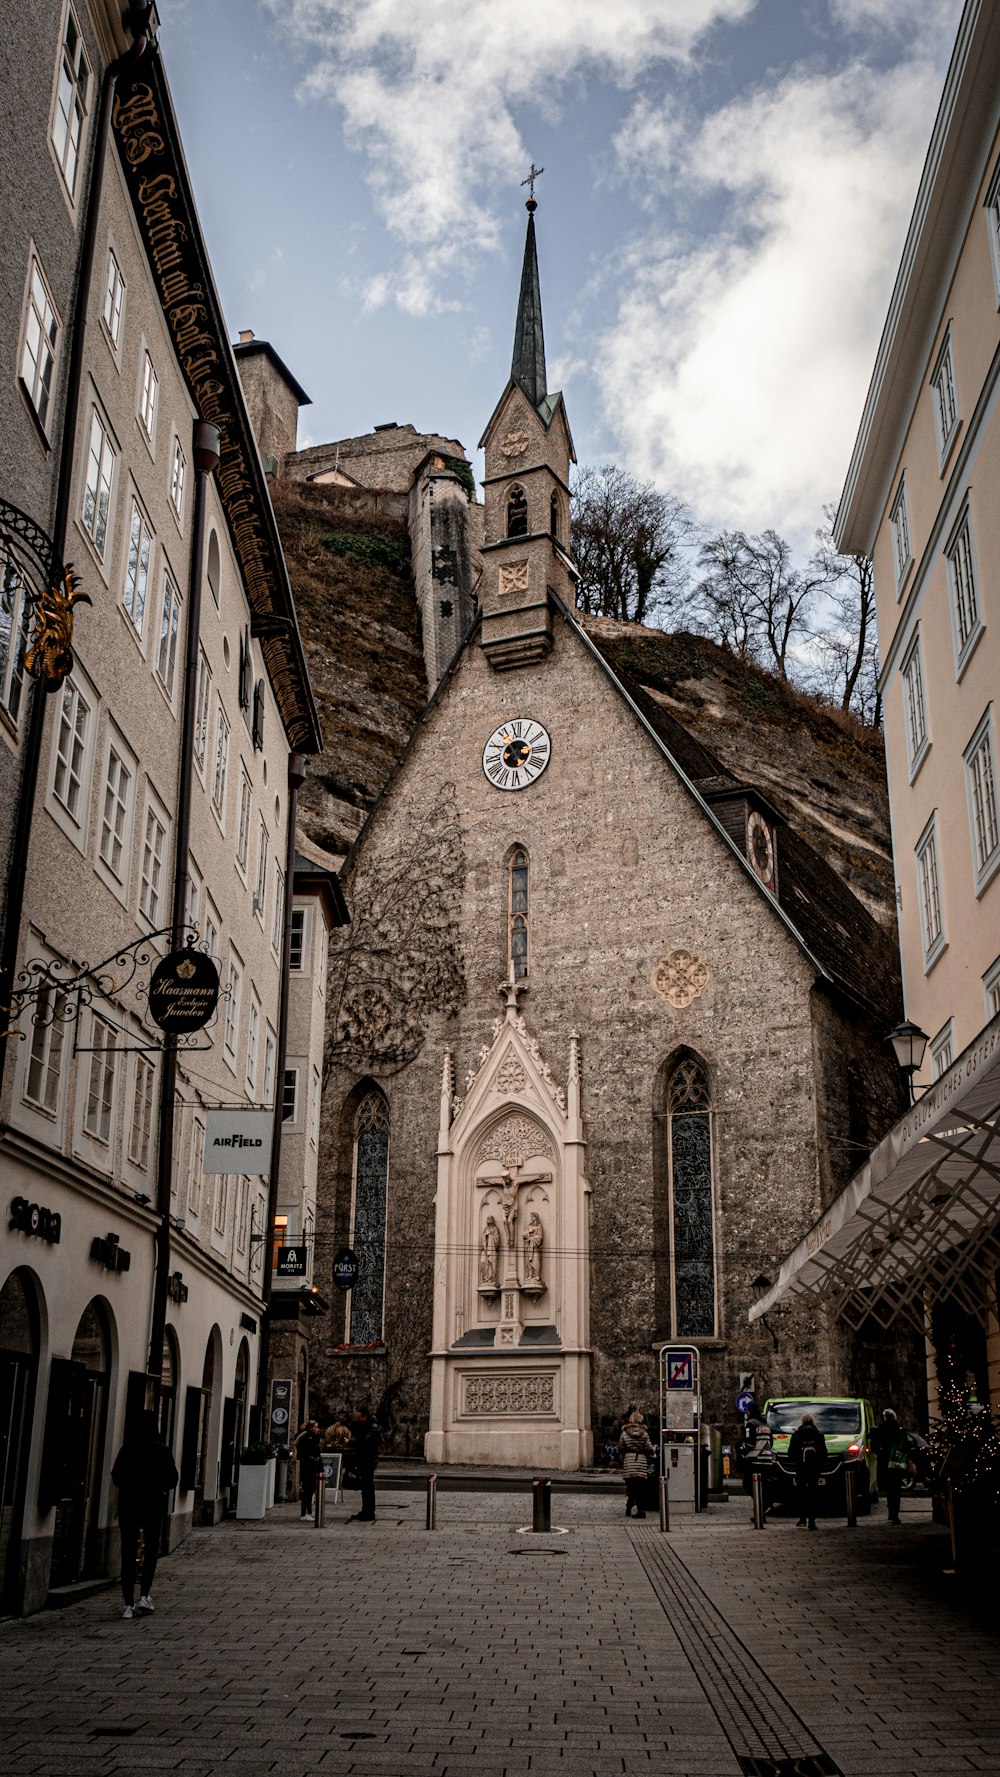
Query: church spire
[(528, 363)]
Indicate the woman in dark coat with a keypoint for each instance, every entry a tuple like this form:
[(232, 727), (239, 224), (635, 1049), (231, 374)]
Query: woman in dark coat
[(635, 1449), (144, 1473), (807, 1450)]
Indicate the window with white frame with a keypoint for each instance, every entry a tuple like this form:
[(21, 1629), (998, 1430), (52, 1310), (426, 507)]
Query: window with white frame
[(114, 300), (942, 1050), (99, 481), (270, 1055), (147, 397), (929, 892), (945, 398), (15, 626), (992, 206), (231, 1040), (192, 895), (221, 762), (243, 831), (72, 99), (253, 1044), (243, 1217), (140, 544), (278, 928), (115, 810), (297, 942), (142, 1112), (71, 749), (202, 709), (213, 929), (319, 958), (222, 1201), (213, 571), (991, 990), (100, 1081), (899, 525), (170, 617), (981, 779), (913, 705), (314, 1109), (41, 1079), (260, 890), (197, 1167), (38, 350), (178, 476), (965, 601), (290, 1096), (154, 845)]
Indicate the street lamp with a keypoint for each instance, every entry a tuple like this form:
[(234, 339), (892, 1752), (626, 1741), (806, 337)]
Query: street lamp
[(909, 1043)]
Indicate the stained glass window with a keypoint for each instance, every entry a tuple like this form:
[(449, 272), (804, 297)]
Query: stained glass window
[(371, 1176), (689, 1106), (519, 913)]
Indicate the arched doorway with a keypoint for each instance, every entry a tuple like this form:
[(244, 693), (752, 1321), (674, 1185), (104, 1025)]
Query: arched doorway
[(19, 1342), (169, 1382), (207, 1388), (73, 1455), (234, 1424)]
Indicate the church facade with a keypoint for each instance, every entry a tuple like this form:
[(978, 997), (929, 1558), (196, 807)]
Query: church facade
[(601, 1033)]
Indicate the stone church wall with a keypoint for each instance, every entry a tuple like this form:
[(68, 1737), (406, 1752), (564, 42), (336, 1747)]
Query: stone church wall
[(624, 868)]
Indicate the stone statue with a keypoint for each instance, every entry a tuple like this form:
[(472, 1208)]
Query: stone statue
[(534, 1236), (509, 1205), (489, 1257)]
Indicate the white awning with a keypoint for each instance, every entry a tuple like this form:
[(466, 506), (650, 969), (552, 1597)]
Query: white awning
[(921, 1216)]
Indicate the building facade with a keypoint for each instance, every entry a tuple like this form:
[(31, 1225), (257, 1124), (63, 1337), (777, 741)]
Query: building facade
[(132, 1265)]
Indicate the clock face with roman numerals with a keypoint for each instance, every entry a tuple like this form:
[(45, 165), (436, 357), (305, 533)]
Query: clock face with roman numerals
[(516, 753)]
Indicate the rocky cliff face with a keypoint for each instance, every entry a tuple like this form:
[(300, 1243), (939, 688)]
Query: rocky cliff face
[(824, 772), (348, 554)]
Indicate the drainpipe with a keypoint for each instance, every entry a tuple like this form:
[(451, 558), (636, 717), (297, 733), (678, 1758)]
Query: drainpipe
[(206, 452), (31, 746), (296, 778)]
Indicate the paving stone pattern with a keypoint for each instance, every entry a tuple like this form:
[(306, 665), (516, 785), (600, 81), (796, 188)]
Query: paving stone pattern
[(476, 1651)]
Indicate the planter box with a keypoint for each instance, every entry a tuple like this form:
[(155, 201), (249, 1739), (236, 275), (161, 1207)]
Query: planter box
[(256, 1489)]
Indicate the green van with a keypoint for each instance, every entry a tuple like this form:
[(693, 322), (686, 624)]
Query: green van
[(846, 1424)]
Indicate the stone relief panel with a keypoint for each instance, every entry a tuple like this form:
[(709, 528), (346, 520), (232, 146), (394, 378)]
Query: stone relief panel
[(680, 978), (509, 1394), (512, 1140), (514, 443), (510, 1074), (514, 577)]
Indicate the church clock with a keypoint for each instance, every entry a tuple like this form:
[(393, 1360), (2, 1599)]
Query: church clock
[(760, 847), (516, 753)]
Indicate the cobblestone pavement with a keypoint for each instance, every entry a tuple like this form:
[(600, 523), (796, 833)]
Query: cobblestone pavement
[(476, 1651)]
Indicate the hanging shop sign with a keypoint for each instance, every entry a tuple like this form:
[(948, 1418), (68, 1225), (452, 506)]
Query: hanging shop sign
[(183, 992), (238, 1141), (291, 1261), (32, 1218), (345, 1269), (280, 1410)]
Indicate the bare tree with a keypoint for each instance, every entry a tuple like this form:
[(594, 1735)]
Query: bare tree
[(628, 541), (753, 599), (846, 643)]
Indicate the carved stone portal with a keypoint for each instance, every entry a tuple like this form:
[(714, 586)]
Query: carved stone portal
[(510, 1394), (680, 978)]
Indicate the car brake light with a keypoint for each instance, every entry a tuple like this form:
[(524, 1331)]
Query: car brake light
[(854, 1449)]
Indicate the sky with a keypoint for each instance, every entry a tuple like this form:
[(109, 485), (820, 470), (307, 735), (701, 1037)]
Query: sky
[(726, 193)]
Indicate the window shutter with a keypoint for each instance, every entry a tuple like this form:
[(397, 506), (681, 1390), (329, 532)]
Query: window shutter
[(258, 715)]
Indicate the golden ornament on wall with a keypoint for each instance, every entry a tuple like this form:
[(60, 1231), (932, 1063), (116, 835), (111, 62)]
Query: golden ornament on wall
[(680, 978)]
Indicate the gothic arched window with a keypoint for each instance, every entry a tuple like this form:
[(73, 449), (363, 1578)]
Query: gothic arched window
[(371, 1180), (692, 1208), (518, 912), (554, 515), (517, 513)]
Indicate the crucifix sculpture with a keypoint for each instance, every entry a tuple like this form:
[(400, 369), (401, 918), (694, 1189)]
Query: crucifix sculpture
[(535, 173)]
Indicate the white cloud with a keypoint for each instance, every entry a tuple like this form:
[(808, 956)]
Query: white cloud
[(736, 367), (427, 90)]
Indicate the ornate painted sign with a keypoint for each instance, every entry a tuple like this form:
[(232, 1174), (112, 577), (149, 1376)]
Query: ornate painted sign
[(183, 991)]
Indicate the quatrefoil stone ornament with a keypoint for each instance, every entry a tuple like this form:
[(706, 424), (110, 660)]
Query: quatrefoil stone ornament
[(514, 443), (680, 978)]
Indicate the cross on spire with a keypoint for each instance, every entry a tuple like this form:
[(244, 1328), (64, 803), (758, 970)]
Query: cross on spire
[(535, 173)]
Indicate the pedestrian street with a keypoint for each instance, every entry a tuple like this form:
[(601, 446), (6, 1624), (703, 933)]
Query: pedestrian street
[(481, 1649)]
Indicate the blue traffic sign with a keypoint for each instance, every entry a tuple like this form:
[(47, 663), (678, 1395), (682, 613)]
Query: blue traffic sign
[(744, 1402), (680, 1369)]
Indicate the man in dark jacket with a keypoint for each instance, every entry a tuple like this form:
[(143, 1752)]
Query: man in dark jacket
[(807, 1450), (144, 1473), (892, 1452), (363, 1460), (309, 1450)]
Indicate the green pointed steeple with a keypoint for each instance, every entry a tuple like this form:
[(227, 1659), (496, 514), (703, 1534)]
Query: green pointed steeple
[(528, 363)]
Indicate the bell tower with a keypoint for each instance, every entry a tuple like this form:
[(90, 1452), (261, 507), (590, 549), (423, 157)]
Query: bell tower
[(529, 449)]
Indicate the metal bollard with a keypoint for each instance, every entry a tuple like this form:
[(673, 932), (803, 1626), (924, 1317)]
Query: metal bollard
[(541, 1504), (664, 1503), (852, 1510), (757, 1496), (432, 1502), (319, 1502)]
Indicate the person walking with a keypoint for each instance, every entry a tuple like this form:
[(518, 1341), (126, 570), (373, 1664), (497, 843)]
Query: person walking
[(635, 1450), (807, 1450), (309, 1451), (892, 1451), (364, 1460), (144, 1472)]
